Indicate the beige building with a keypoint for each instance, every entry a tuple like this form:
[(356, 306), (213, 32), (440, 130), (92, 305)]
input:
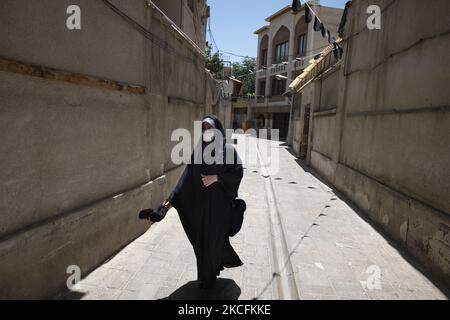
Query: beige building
[(378, 129), (86, 118), (285, 46)]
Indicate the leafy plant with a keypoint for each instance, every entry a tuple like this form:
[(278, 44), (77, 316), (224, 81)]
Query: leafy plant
[(214, 62), (246, 72)]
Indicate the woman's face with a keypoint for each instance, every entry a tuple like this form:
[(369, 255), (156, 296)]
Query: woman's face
[(206, 126), (208, 134)]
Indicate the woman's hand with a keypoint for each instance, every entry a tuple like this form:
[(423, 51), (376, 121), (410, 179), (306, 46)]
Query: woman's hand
[(209, 180), (167, 204)]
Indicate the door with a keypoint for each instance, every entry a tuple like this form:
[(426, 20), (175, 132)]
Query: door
[(305, 134), (281, 122)]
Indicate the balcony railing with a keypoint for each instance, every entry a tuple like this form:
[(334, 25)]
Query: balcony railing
[(300, 64), (279, 68), (260, 99), (273, 70), (262, 73), (277, 98), (265, 101)]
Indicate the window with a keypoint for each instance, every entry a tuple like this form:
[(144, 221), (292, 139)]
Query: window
[(302, 45), (264, 58), (262, 88), (278, 87), (282, 52)]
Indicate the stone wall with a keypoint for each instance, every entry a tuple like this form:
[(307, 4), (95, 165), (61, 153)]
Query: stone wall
[(386, 145)]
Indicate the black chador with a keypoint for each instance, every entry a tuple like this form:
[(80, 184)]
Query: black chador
[(205, 212)]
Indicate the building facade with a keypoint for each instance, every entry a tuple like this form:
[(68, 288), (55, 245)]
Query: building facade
[(285, 45)]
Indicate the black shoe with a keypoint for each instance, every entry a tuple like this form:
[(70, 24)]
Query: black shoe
[(152, 215)]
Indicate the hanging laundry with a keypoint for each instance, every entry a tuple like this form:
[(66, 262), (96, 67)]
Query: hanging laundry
[(295, 5), (317, 24), (338, 50), (341, 28), (335, 51), (323, 30), (308, 14)]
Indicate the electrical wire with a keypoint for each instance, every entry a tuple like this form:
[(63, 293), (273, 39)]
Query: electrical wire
[(289, 56), (242, 56), (211, 36), (237, 55), (316, 15)]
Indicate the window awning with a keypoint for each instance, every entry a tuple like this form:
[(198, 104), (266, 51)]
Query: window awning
[(315, 68)]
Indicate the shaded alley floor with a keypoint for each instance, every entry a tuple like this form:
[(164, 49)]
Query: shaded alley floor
[(299, 241)]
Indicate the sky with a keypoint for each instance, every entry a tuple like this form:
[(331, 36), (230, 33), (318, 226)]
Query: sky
[(234, 21)]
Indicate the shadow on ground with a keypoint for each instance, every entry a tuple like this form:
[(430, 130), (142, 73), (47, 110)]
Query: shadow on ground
[(438, 282), (224, 289), (70, 295)]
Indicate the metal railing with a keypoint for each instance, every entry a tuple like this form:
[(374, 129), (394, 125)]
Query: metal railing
[(273, 70), (262, 73), (279, 68), (300, 64)]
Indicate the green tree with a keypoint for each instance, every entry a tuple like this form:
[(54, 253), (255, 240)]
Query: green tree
[(214, 62), (245, 71)]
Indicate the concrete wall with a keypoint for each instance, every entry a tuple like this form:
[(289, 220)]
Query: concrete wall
[(223, 111), (386, 148), (193, 23), (77, 161)]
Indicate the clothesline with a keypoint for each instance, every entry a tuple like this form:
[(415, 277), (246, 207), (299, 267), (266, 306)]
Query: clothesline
[(318, 23), (315, 14), (319, 26)]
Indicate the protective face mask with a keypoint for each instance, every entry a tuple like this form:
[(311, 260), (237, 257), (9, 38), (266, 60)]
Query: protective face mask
[(208, 135)]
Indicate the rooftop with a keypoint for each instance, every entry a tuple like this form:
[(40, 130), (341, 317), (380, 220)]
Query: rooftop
[(261, 29), (283, 11), (279, 13)]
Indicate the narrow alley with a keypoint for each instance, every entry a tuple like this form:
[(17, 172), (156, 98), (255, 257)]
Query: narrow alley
[(340, 111), (300, 240)]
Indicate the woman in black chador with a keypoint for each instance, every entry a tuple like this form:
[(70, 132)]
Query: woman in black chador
[(203, 198)]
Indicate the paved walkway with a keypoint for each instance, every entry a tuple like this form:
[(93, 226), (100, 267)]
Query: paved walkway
[(299, 241)]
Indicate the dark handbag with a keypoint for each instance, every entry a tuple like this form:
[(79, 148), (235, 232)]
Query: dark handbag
[(153, 215), (238, 208)]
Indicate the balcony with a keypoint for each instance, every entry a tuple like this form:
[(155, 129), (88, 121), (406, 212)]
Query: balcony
[(260, 99), (279, 68), (262, 73), (300, 64), (273, 70), (277, 98)]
